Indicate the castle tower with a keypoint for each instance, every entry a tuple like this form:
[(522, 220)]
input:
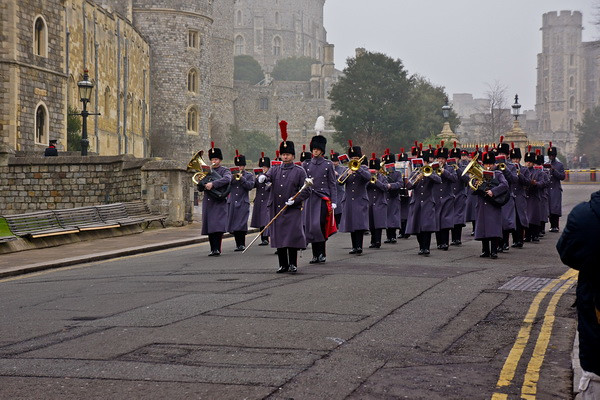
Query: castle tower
[(560, 99), (276, 29), (179, 35), (223, 94)]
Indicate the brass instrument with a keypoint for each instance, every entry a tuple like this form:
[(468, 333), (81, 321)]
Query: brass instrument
[(476, 172), (237, 176), (197, 163), (439, 171), (373, 178), (424, 172), (353, 166), (502, 166)]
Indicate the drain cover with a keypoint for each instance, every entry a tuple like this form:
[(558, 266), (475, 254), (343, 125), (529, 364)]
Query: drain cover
[(530, 284)]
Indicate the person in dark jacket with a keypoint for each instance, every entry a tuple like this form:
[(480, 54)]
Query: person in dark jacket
[(51, 151), (239, 201), (577, 248)]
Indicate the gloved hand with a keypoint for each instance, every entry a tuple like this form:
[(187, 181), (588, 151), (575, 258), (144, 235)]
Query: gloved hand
[(262, 178), (333, 206), (289, 202)]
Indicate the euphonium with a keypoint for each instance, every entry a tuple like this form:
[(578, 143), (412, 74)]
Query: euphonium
[(475, 171), (196, 163), (353, 165)]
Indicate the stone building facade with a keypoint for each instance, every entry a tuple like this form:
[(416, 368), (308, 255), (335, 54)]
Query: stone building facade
[(46, 47), (270, 30), (568, 78)]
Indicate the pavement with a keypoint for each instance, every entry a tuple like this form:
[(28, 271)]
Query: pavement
[(28, 261)]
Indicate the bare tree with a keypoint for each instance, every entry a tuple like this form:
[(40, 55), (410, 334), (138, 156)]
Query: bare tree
[(495, 119)]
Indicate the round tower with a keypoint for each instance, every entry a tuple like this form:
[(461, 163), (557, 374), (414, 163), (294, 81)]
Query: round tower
[(223, 95), (179, 34), (560, 100), (270, 30)]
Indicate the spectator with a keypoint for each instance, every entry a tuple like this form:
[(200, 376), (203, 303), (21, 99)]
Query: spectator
[(577, 248), (51, 151), (583, 161)]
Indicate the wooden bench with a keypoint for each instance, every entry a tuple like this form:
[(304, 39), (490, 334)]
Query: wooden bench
[(116, 213), (37, 224), (139, 209), (5, 234), (83, 218)]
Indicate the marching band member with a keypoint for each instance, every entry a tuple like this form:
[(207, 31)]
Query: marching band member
[(260, 212), (421, 211), (404, 195), (489, 216), (471, 211), (214, 212), (508, 210), (239, 202), (319, 222), (444, 199), (355, 204), (534, 186), (460, 194), (557, 174), (544, 203), (305, 156), (520, 196), (340, 188), (376, 190), (286, 232), (394, 183)]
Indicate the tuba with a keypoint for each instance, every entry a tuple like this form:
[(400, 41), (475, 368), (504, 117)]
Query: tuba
[(475, 171), (353, 166)]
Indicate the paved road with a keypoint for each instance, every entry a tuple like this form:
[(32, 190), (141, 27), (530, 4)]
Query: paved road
[(389, 324)]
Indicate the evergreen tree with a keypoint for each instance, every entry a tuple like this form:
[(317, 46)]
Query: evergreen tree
[(246, 68), (588, 143), (293, 69), (73, 130)]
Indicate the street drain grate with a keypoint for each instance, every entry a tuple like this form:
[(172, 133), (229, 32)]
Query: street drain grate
[(530, 284)]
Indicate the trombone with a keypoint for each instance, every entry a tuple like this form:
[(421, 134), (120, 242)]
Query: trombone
[(423, 172), (353, 166)]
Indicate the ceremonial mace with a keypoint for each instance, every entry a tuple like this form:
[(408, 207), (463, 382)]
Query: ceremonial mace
[(307, 182)]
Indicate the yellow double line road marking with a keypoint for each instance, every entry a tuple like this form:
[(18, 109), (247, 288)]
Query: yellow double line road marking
[(529, 388)]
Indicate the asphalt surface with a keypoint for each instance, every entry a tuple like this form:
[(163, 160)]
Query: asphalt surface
[(150, 316)]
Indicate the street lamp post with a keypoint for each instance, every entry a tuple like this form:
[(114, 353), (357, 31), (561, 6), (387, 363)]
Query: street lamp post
[(446, 134), (516, 108), (85, 92), (516, 135)]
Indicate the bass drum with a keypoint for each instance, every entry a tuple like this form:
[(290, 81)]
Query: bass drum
[(217, 194)]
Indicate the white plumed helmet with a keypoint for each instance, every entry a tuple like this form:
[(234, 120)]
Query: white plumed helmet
[(320, 125)]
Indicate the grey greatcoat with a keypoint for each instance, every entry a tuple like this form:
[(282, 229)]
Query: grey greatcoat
[(340, 188), (444, 198), (557, 174), (544, 203), (324, 185), (509, 222), (260, 212), (489, 217), (535, 186), (355, 204), (394, 214), (421, 210), (378, 203), (239, 203), (460, 195), (520, 194), (214, 212), (287, 229)]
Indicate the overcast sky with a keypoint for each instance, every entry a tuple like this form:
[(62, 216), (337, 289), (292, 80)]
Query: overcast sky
[(462, 45)]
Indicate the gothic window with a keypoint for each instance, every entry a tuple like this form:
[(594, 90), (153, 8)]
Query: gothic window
[(571, 59), (238, 18), (277, 46), (192, 120), (40, 37), (193, 39), (571, 81), (276, 18), (309, 48), (572, 103), (41, 124), (193, 81), (239, 45), (263, 104)]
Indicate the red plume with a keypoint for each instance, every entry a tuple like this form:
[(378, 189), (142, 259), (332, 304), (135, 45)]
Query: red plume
[(550, 144), (538, 152), (437, 146), (430, 147), (387, 151), (421, 146), (237, 154), (501, 139), (277, 153), (477, 147), (212, 145), (512, 145), (372, 156), (283, 126), (402, 150), (332, 151), (303, 147), (494, 145), (442, 143), (350, 143), (262, 154), (529, 148), (416, 143), (487, 148), (455, 144)]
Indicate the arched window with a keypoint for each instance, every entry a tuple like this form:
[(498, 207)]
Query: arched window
[(309, 47), (40, 37), (571, 125), (276, 46), (276, 18), (239, 45), (572, 103), (192, 120), (239, 17), (193, 81), (41, 124), (571, 81)]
